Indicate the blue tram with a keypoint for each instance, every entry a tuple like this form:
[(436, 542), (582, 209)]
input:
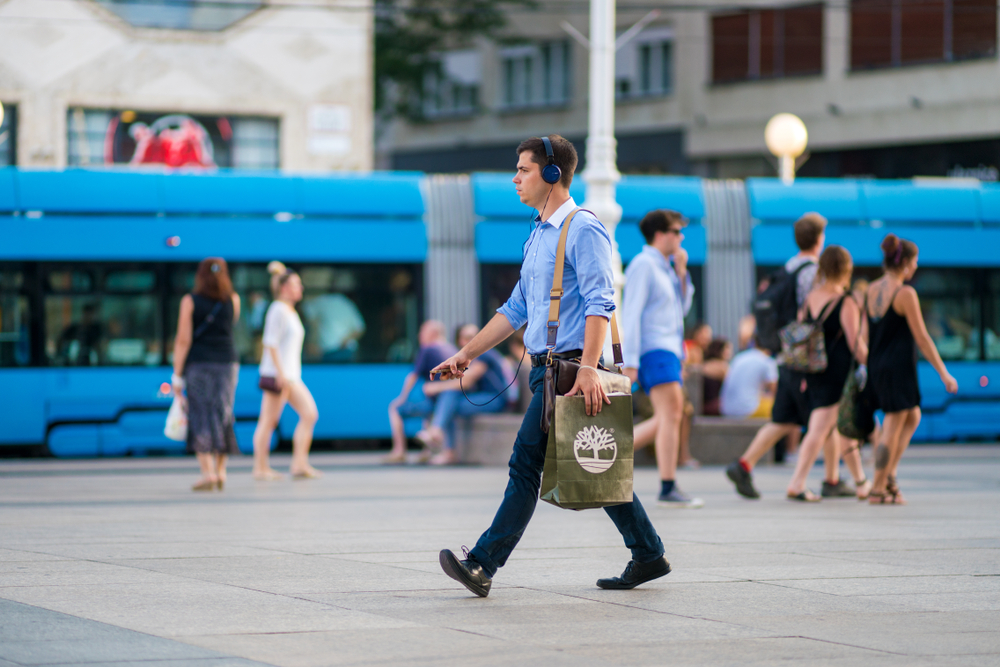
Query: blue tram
[(94, 263)]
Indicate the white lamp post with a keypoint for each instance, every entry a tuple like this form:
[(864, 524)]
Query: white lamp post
[(601, 173), (1, 113), (786, 137)]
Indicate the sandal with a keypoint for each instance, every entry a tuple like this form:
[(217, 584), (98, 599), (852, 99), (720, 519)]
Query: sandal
[(805, 496), (884, 498), (394, 459), (893, 489), (268, 476), (308, 473), (863, 489), (205, 485)]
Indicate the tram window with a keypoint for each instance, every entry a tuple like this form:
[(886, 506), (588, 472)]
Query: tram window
[(991, 330), (15, 323), (950, 305), (351, 314), (95, 322)]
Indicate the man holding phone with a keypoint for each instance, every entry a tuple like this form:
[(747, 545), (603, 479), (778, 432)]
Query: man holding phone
[(545, 169)]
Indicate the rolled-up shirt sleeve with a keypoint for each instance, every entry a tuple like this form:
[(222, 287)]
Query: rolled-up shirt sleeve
[(515, 310), (688, 293), (589, 250), (633, 305)]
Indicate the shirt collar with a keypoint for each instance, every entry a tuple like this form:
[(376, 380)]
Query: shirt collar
[(560, 214), (656, 255)]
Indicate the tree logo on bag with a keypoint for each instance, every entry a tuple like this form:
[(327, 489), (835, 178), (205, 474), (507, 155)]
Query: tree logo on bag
[(595, 449)]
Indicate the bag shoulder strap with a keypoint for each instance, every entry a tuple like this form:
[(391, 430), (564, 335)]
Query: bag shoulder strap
[(207, 322), (556, 294)]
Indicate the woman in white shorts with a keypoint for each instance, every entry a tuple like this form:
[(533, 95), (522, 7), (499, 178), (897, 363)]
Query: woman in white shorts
[(281, 378)]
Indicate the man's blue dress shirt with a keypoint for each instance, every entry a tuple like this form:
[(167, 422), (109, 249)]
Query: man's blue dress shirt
[(588, 286), (653, 307)]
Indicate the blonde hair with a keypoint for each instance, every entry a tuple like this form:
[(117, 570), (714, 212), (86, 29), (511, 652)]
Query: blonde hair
[(279, 276)]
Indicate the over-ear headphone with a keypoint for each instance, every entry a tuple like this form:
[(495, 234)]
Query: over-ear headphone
[(551, 173)]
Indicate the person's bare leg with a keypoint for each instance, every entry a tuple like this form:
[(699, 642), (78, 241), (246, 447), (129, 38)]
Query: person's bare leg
[(794, 438), (398, 433), (271, 406), (304, 405), (220, 469), (831, 458), (906, 434), (892, 429), (668, 406), (767, 437), (684, 436), (644, 433), (207, 463), (821, 422)]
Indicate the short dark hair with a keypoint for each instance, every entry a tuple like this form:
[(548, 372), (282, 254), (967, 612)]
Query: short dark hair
[(808, 229), (563, 154), (660, 221)]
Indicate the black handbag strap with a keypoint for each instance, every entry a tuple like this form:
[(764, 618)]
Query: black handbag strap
[(207, 322), (556, 294)]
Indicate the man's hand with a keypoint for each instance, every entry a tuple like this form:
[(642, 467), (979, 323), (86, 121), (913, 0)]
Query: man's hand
[(453, 368), (680, 261), (589, 384)]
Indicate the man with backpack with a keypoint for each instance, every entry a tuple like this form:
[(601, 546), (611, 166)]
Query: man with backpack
[(775, 307)]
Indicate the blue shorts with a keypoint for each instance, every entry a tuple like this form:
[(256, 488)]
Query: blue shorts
[(658, 367)]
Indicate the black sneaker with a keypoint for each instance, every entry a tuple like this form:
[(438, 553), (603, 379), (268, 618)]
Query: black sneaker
[(467, 572), (839, 490), (742, 479), (635, 574)]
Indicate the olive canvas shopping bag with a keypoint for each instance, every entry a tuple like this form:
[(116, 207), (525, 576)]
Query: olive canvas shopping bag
[(588, 460)]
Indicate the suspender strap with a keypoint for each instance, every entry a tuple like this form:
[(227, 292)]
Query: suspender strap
[(556, 294)]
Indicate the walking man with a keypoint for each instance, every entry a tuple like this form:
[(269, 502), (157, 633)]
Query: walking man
[(544, 172), (658, 295), (786, 294)]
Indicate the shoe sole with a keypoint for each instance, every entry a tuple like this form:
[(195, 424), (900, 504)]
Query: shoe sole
[(638, 583), (452, 568), (734, 479), (687, 505)]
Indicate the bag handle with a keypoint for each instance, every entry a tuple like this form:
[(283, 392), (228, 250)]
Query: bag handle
[(205, 323), (556, 294)]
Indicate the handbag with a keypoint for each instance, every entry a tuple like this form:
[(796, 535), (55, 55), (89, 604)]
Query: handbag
[(588, 459), (269, 383), (855, 413), (803, 345)]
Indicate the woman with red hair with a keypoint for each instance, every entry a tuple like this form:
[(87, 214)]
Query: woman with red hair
[(206, 365)]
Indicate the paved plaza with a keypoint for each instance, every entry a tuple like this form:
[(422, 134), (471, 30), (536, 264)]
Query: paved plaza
[(116, 562)]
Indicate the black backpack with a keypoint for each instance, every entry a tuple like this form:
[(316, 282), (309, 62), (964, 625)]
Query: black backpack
[(777, 306)]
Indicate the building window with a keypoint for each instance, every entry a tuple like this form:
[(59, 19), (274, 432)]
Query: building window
[(182, 14), (103, 136), (451, 85), (767, 44), (893, 33), (644, 66), (8, 136), (536, 75)]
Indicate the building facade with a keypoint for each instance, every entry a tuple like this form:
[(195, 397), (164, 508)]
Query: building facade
[(887, 88), (187, 83)]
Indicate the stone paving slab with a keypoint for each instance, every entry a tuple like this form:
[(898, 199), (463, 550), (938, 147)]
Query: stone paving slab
[(116, 562)]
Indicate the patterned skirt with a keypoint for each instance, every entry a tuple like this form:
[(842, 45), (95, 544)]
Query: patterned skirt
[(211, 392)]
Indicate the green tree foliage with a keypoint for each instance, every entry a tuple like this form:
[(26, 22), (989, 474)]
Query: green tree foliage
[(409, 32)]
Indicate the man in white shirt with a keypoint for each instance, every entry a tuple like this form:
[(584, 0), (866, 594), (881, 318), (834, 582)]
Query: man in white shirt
[(748, 390), (658, 295)]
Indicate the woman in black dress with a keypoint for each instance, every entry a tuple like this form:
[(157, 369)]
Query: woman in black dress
[(829, 302), (205, 363), (895, 330)]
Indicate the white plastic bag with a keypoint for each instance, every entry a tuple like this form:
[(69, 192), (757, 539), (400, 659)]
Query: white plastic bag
[(177, 420)]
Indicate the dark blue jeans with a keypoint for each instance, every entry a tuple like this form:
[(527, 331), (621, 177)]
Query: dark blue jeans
[(521, 496)]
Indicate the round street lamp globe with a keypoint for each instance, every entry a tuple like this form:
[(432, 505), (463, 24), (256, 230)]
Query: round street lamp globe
[(786, 136)]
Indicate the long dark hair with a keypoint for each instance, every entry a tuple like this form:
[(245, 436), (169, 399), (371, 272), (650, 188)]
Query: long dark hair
[(212, 279)]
